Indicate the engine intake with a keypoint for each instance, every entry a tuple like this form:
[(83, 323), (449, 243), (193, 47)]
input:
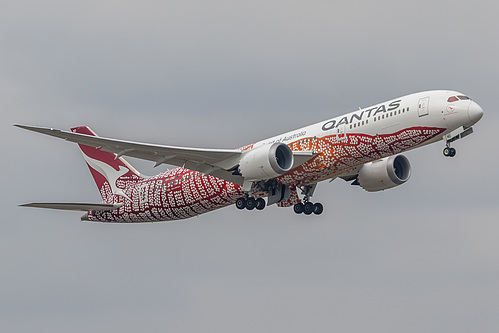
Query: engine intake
[(266, 162), (384, 174)]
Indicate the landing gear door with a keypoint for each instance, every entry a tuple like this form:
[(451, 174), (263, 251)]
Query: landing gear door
[(423, 106)]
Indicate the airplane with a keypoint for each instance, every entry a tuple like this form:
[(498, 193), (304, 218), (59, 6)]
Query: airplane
[(363, 147)]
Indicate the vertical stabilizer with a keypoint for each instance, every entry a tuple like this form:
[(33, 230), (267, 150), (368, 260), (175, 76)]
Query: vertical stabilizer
[(113, 175)]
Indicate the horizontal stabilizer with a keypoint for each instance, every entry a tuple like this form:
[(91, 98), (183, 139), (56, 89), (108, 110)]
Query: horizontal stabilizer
[(74, 206)]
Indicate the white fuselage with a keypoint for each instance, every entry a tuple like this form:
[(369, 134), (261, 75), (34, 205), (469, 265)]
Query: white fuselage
[(391, 116), (383, 129)]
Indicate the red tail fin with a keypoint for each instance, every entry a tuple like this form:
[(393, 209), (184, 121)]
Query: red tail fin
[(112, 175)]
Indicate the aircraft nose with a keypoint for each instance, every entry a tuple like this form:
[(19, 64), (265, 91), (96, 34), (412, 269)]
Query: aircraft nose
[(475, 112)]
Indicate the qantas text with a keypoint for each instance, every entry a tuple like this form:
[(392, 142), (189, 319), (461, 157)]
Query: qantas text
[(360, 115)]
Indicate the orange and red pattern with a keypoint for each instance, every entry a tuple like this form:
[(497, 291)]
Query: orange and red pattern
[(181, 193)]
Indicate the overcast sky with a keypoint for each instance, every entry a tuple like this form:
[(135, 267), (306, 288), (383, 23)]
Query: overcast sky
[(422, 257)]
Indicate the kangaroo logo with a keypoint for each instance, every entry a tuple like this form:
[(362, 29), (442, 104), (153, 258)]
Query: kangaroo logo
[(109, 173)]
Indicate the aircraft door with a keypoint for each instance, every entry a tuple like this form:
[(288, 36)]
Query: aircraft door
[(423, 106), (341, 133)]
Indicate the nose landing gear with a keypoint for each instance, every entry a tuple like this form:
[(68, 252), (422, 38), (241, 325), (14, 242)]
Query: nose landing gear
[(457, 134)]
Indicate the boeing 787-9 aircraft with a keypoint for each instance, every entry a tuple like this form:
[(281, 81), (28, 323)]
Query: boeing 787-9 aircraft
[(363, 147)]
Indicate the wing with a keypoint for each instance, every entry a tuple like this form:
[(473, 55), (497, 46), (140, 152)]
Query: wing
[(74, 206), (220, 163), (207, 161)]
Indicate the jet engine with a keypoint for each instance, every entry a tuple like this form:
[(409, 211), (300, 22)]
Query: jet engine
[(266, 162), (384, 174)]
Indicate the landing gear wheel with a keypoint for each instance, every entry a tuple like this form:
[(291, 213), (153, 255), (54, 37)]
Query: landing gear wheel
[(318, 209), (308, 208), (241, 203), (298, 208), (449, 152), (250, 203), (260, 204)]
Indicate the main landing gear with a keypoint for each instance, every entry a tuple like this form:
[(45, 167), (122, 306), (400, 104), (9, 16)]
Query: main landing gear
[(306, 207), (250, 203)]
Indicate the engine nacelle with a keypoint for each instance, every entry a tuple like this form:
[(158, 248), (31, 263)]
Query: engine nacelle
[(384, 174), (266, 162)]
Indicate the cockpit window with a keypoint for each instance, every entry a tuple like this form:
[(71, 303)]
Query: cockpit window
[(458, 98)]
